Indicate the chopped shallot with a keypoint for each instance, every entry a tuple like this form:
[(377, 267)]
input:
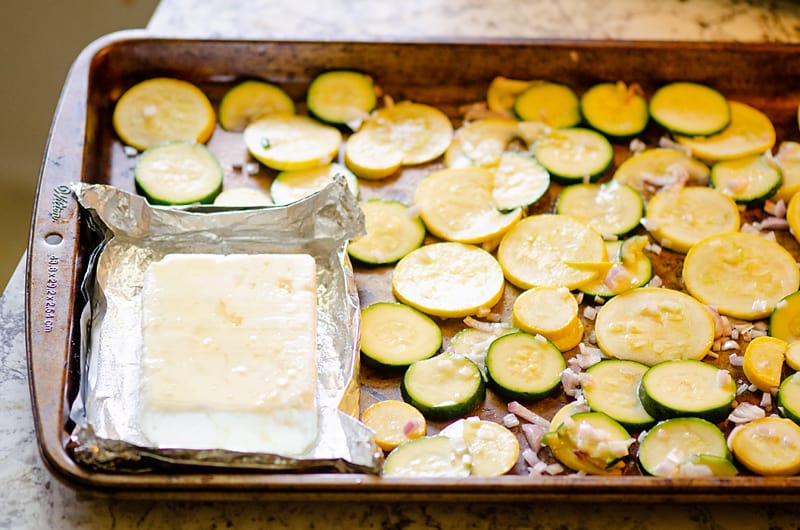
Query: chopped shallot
[(510, 420), (533, 434), (746, 412), (528, 415), (766, 401)]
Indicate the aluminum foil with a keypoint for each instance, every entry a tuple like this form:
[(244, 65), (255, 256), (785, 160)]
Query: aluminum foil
[(107, 434)]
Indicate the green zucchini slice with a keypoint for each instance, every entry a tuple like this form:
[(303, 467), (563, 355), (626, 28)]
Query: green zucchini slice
[(443, 387), (749, 179), (251, 100), (431, 456), (591, 442), (392, 232), (394, 335), (524, 366), (634, 269), (178, 173), (342, 97), (676, 446), (519, 181), (784, 322), (690, 109), (615, 110), (687, 388), (612, 387), (575, 154), (789, 397), (611, 208), (552, 103)]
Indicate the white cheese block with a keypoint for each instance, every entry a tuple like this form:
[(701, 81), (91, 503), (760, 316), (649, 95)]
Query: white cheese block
[(229, 352)]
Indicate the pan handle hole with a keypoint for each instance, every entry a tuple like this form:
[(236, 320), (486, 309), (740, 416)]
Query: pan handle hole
[(53, 239)]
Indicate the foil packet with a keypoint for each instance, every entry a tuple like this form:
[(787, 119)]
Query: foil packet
[(107, 434)]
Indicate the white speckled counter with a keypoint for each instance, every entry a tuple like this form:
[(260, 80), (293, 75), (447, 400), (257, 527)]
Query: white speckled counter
[(32, 498)]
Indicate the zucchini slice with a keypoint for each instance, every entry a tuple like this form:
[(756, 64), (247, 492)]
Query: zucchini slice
[(394, 422), (575, 154), (789, 397), (443, 387), (457, 204), (615, 109), (792, 355), (687, 388), (473, 343), (690, 109), (493, 448), (251, 100), (631, 270), (675, 448), (763, 362), (750, 132), (242, 197), (788, 160), (519, 181), (178, 173), (784, 322), (551, 312), (611, 208), (291, 186), (650, 325), (289, 142), (590, 442), (681, 216), (524, 366), (552, 103), (537, 250), (395, 335), (392, 232), (341, 97), (480, 143), (431, 456), (503, 92), (767, 446), (612, 387), (742, 275), (654, 169), (749, 179), (448, 280)]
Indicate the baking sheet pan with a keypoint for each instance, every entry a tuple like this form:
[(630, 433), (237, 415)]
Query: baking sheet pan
[(447, 74)]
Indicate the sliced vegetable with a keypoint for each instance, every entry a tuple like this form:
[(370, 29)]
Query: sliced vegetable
[(575, 154), (395, 335), (748, 179), (552, 103), (680, 217), (568, 410), (242, 197), (784, 322), (493, 448), (161, 110), (341, 97), (289, 142), (615, 109), (687, 388), (503, 92), (654, 169), (611, 208), (742, 275), (763, 362), (372, 157), (536, 252), (690, 109), (480, 143), (443, 387), (432, 456), (524, 366), (792, 355), (394, 422), (632, 268), (788, 160), (749, 132), (612, 387), (789, 397), (392, 232), (291, 186), (650, 325), (473, 343), (590, 442), (793, 216), (519, 181), (250, 100), (768, 446), (685, 447), (457, 204), (448, 280), (551, 312), (178, 173)]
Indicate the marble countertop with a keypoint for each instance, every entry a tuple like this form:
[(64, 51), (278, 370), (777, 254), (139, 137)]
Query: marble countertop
[(32, 498)]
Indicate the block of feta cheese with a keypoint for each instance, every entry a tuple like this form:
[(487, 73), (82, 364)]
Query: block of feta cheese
[(229, 352)]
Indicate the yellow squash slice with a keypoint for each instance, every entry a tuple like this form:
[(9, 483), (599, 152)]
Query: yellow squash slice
[(657, 168), (768, 446), (290, 186), (650, 325), (448, 280), (480, 142), (788, 160), (289, 142), (551, 312), (680, 217), (503, 92), (458, 205), (370, 157), (163, 109), (763, 362), (242, 197), (792, 355), (392, 232), (750, 132), (537, 252), (394, 422), (742, 275), (494, 449), (251, 100)]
